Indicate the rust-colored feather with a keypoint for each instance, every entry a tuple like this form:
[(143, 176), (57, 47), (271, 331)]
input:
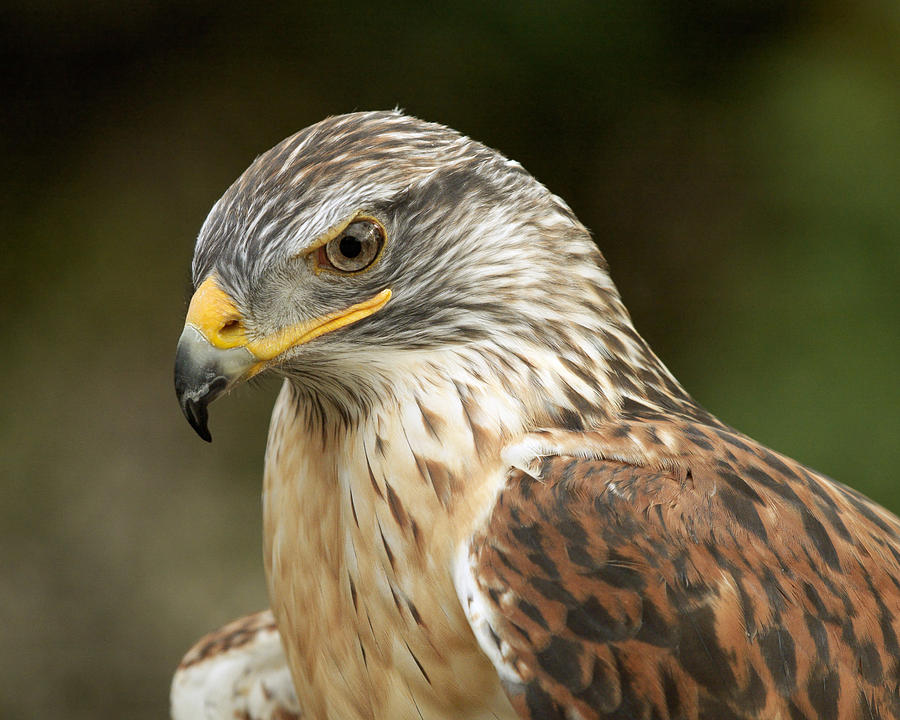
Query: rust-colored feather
[(716, 580)]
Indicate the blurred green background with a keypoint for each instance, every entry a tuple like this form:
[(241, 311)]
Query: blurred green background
[(737, 160)]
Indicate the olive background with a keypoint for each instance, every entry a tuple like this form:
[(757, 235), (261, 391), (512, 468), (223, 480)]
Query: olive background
[(738, 162)]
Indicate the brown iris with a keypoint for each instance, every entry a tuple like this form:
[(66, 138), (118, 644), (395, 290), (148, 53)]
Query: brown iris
[(355, 249)]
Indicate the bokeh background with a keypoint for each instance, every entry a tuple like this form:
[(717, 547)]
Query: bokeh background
[(737, 160)]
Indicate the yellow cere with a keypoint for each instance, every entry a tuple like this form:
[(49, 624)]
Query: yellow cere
[(214, 314)]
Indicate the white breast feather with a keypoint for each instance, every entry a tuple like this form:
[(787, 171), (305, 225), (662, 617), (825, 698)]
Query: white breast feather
[(250, 681)]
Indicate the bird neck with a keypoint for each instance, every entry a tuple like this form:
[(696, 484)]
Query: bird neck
[(356, 520), (570, 376)]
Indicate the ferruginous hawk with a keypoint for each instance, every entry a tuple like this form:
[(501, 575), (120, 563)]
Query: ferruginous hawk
[(484, 495)]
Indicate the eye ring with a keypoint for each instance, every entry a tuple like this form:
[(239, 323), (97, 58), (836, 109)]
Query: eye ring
[(354, 249)]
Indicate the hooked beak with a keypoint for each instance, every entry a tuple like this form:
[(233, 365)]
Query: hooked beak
[(212, 354), (215, 352), (203, 372)]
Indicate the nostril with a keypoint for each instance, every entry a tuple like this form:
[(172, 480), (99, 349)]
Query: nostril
[(230, 328)]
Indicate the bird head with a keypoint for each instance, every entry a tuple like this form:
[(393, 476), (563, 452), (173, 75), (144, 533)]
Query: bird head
[(370, 238)]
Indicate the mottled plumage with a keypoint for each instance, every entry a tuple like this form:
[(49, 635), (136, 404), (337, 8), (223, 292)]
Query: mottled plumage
[(683, 570), (239, 672), (485, 497)]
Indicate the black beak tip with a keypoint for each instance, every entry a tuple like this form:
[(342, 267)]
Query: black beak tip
[(198, 417), (199, 380)]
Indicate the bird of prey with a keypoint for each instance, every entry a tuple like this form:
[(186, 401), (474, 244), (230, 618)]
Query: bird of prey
[(484, 495)]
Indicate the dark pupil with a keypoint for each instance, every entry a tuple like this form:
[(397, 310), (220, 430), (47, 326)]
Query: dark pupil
[(350, 246)]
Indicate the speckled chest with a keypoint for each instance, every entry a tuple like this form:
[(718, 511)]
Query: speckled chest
[(360, 532)]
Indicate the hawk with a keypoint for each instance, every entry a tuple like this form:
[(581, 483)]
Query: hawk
[(484, 495)]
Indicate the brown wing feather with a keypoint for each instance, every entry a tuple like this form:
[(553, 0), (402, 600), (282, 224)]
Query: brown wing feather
[(735, 584)]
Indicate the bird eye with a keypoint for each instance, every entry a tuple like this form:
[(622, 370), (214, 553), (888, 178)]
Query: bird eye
[(354, 249)]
